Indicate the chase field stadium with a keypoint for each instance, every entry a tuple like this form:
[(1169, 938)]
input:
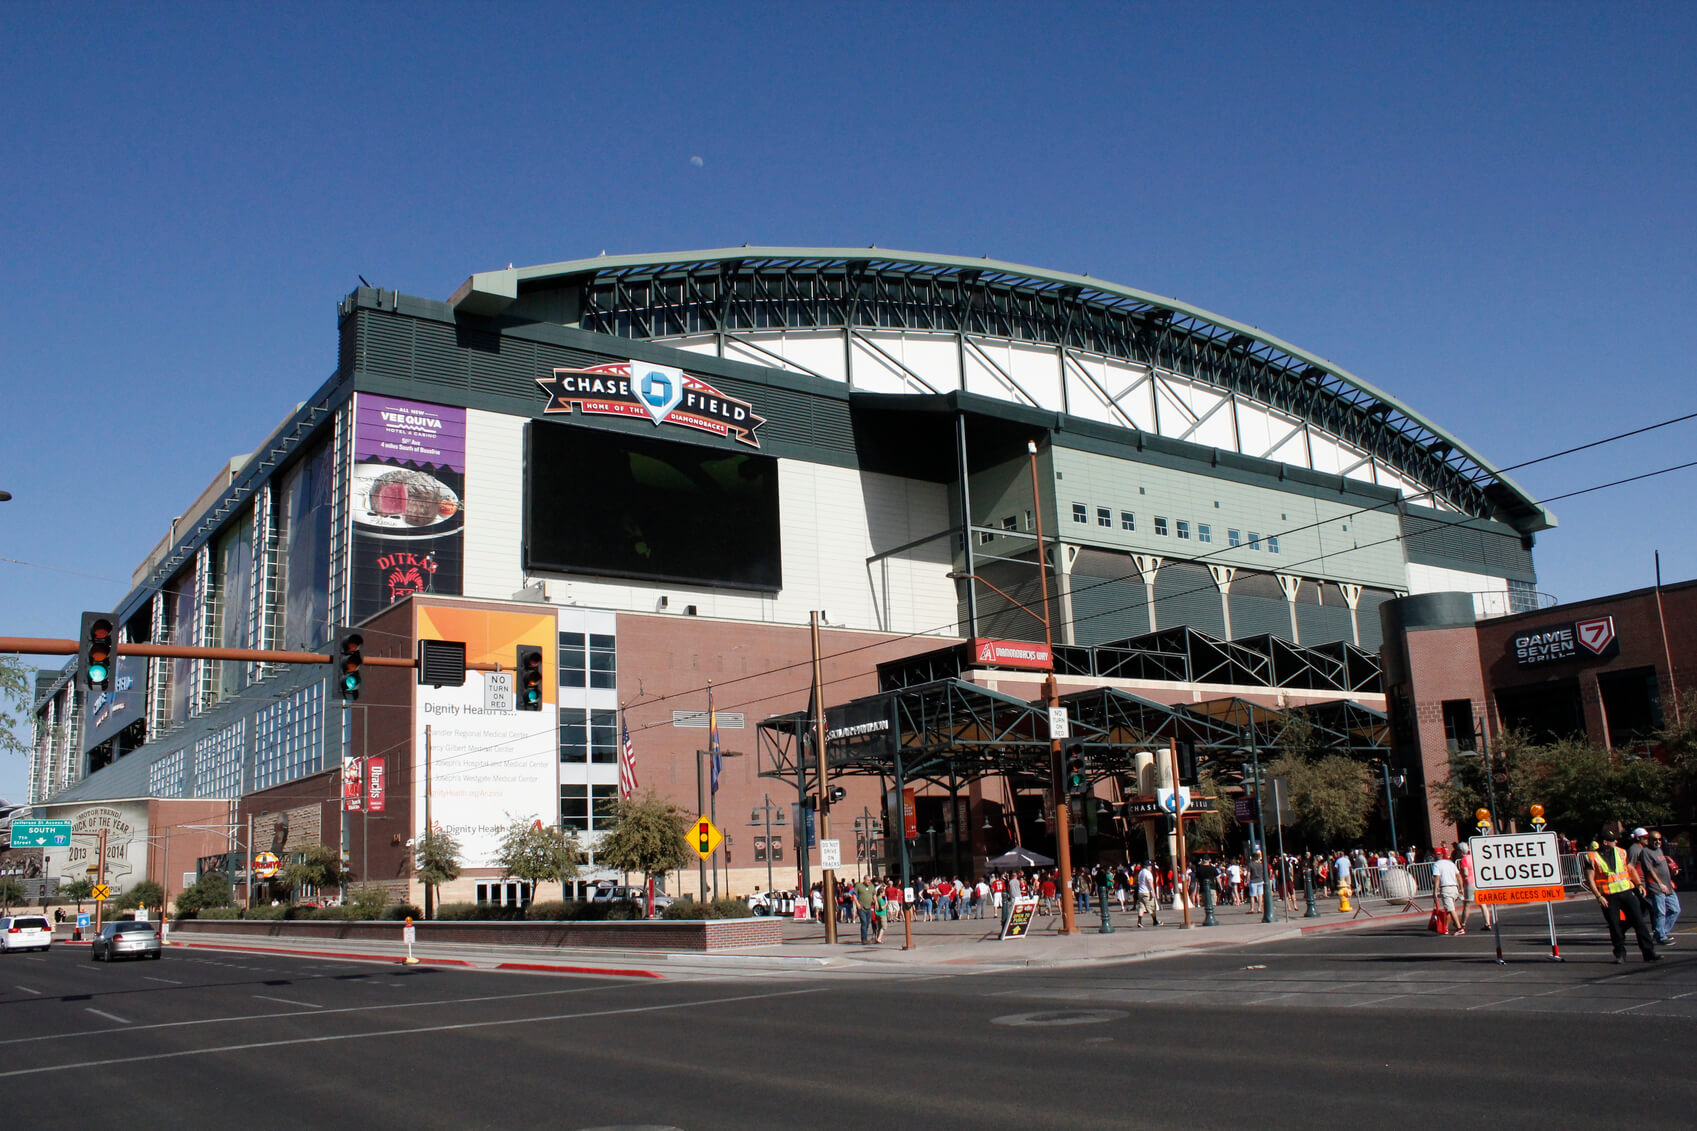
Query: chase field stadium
[(670, 462)]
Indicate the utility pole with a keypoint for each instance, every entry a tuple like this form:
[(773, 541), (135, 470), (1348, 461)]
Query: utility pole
[(100, 881), (1052, 698), (429, 889), (828, 876)]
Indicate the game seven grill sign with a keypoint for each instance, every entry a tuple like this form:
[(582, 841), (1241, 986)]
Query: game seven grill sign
[(655, 392), (1577, 640)]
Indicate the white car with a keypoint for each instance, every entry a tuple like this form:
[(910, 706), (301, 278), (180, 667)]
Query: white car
[(25, 932), (771, 902), (604, 892)]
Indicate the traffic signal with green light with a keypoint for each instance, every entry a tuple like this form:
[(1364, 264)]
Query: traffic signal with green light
[(95, 650), (529, 667), (351, 657), (1078, 771)]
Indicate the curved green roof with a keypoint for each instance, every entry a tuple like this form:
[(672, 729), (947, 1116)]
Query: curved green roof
[(643, 296)]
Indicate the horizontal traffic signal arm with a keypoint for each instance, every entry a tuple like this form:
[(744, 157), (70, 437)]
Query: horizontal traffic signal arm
[(52, 646)]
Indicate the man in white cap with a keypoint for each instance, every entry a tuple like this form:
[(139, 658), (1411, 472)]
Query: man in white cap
[(1647, 856)]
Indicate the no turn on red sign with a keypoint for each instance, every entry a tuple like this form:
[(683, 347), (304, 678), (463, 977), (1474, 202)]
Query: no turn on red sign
[(1517, 868)]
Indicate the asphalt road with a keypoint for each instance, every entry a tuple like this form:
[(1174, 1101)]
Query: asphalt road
[(1390, 1026)]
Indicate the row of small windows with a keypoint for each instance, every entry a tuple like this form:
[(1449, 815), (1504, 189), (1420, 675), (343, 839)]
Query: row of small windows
[(1179, 527)]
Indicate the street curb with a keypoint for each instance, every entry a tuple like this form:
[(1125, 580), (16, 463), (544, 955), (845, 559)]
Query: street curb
[(396, 960), (540, 967), (1350, 924), (390, 959)]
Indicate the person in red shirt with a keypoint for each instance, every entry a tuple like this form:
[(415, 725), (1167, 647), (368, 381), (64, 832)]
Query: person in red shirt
[(1046, 895)]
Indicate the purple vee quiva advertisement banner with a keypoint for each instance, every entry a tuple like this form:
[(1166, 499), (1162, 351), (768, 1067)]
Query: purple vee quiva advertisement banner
[(407, 498)]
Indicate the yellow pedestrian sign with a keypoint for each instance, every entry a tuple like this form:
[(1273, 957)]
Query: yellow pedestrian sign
[(101, 893), (704, 837)]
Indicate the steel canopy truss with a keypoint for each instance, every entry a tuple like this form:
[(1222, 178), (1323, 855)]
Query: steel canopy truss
[(730, 291), (942, 728), (1344, 727)]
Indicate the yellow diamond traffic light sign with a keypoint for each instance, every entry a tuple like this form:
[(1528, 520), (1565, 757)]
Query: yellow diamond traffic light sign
[(704, 836), (101, 893)]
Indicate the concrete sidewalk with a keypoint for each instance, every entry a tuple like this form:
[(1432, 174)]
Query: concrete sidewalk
[(939, 946)]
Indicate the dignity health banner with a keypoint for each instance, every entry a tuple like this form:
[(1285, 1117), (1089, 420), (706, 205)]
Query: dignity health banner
[(407, 500)]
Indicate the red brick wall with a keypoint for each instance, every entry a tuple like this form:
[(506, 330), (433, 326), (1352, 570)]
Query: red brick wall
[(1443, 664)]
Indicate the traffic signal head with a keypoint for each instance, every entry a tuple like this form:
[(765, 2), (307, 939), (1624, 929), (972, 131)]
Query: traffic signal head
[(529, 666), (835, 794), (351, 658), (96, 650), (1186, 763), (1078, 771)]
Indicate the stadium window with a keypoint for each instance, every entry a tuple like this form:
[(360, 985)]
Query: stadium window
[(572, 659), (1204, 533), (1183, 528), (1030, 521), (1128, 520), (984, 537), (1008, 522), (603, 661), (1272, 543), (1080, 513), (1232, 537), (1254, 540), (1160, 526), (1104, 517)]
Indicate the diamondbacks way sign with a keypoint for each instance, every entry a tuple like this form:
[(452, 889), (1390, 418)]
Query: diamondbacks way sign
[(655, 392)]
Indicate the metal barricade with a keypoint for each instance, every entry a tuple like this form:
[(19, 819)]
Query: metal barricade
[(1400, 886)]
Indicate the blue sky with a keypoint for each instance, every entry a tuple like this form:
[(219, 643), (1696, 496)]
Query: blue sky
[(1484, 210)]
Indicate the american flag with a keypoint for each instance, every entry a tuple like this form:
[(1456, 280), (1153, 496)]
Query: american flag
[(713, 738), (627, 761)]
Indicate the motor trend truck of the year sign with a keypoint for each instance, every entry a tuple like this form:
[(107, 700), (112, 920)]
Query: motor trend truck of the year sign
[(1517, 868)]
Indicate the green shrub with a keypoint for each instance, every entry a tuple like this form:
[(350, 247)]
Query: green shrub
[(717, 909), (264, 912), (485, 912), (214, 913), (551, 910), (368, 901), (400, 911)]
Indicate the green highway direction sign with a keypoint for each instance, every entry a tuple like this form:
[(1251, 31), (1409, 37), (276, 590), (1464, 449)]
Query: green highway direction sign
[(40, 834)]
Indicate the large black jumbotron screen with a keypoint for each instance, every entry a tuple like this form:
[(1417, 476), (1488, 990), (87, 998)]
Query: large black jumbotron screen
[(616, 505)]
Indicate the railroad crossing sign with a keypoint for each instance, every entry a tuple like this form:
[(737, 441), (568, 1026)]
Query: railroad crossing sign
[(704, 836), (27, 833), (265, 864), (101, 893)]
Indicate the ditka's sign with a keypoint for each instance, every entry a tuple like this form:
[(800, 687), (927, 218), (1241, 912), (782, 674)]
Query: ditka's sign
[(656, 392), (1573, 641), (1019, 919)]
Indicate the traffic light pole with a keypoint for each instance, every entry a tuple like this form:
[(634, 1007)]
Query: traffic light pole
[(828, 876), (58, 646)]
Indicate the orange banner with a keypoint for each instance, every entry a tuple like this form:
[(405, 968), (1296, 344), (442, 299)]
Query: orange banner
[(1553, 894)]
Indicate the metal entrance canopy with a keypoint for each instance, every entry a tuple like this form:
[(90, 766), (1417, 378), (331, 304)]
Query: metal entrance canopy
[(950, 731)]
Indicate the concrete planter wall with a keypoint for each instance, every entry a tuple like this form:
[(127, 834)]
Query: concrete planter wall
[(646, 934)]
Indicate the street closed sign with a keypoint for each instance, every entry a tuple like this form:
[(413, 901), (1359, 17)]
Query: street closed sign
[(1517, 868)]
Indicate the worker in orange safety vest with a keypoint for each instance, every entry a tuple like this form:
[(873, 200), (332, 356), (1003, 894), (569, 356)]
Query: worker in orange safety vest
[(1617, 888)]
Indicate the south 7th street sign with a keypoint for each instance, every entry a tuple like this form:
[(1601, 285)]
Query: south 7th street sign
[(40, 834)]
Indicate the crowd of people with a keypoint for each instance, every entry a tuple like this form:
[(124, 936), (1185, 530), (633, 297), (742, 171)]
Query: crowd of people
[(1636, 886)]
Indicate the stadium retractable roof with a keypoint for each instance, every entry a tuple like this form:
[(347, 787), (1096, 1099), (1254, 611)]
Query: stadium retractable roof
[(731, 290)]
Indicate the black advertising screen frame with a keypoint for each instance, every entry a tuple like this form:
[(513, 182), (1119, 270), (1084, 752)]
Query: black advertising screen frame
[(751, 524)]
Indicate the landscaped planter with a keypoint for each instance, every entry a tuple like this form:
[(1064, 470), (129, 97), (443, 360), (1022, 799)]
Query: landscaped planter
[(636, 934)]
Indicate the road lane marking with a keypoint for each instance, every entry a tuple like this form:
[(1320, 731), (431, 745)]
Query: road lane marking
[(27, 990), (167, 981), (324, 1013), (288, 1001), (458, 1026), (109, 1016)]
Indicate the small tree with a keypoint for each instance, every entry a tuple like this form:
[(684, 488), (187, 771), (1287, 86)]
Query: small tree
[(532, 852), (78, 889), (439, 858), (1211, 831), (369, 901), (15, 697), (1330, 797), (144, 894), (320, 866), (648, 835), (11, 891)]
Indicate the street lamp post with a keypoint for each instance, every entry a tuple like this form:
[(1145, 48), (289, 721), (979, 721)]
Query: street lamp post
[(1261, 831), (762, 815), (1390, 807)]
